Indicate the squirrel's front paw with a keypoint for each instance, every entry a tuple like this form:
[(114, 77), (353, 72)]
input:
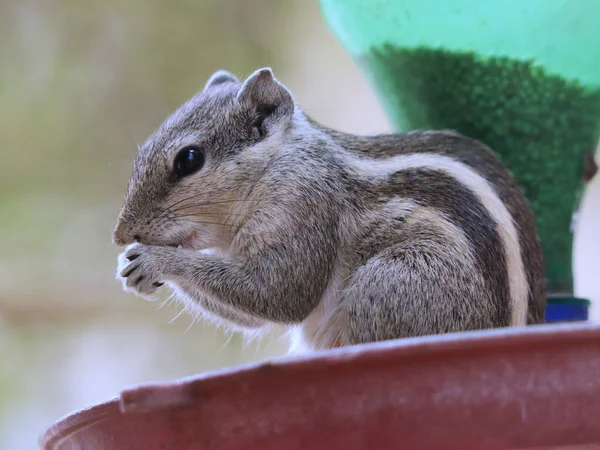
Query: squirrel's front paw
[(140, 268)]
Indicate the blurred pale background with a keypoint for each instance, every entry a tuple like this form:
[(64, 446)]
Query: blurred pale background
[(81, 84)]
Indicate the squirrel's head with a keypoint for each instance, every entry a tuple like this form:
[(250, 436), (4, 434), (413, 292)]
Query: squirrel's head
[(192, 178)]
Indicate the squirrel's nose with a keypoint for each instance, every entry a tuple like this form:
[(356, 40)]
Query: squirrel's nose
[(123, 234)]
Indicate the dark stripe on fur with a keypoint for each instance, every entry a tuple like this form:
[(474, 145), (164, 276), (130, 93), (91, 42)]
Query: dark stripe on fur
[(483, 161), (431, 188)]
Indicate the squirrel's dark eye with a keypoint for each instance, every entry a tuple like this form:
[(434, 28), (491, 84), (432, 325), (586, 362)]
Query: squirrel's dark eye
[(188, 161)]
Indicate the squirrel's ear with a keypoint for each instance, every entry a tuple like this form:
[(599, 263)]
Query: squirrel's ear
[(265, 95), (220, 77)]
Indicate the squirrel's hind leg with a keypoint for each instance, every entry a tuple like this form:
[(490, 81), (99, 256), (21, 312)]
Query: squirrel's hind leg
[(409, 291)]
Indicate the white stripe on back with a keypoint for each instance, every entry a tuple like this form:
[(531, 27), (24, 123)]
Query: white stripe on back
[(484, 191)]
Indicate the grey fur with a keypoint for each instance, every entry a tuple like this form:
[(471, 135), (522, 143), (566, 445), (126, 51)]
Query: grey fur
[(309, 239), (220, 77)]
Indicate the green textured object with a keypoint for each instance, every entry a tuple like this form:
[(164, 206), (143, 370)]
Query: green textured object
[(521, 76)]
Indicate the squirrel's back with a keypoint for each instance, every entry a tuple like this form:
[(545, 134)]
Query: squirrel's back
[(428, 167)]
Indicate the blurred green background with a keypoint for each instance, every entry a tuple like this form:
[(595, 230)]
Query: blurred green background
[(81, 84)]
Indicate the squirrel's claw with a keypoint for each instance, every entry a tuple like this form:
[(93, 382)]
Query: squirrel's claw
[(139, 269)]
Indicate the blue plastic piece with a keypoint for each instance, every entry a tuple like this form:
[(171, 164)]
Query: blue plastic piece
[(567, 310)]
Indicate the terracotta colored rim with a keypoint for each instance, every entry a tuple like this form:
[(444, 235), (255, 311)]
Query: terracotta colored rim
[(152, 398)]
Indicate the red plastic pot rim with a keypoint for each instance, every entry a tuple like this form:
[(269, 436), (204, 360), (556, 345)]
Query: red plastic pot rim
[(238, 390), (167, 395)]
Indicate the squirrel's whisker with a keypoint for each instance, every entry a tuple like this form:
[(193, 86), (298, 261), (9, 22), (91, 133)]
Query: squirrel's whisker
[(206, 204), (205, 222)]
